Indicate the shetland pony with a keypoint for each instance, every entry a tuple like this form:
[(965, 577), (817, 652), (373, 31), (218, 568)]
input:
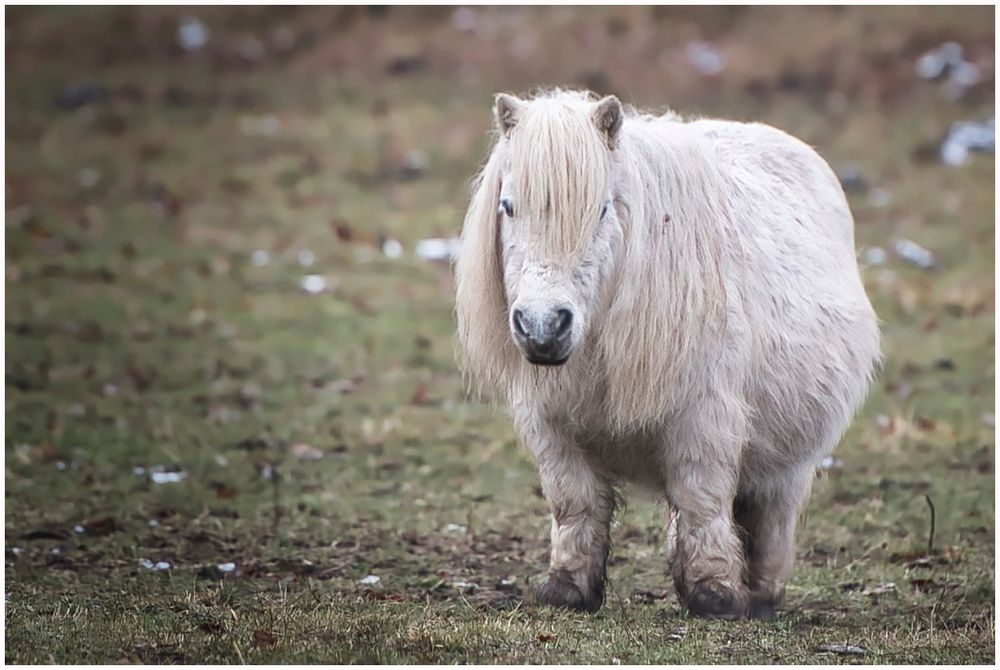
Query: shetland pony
[(675, 304)]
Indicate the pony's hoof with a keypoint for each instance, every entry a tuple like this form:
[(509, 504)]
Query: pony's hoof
[(559, 590), (764, 604), (763, 609), (714, 600)]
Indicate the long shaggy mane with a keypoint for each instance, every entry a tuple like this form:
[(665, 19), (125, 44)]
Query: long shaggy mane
[(673, 215)]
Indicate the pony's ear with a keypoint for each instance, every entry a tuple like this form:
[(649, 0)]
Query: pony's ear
[(508, 110), (608, 117)]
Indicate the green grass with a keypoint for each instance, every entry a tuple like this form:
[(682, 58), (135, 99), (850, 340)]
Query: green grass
[(140, 333)]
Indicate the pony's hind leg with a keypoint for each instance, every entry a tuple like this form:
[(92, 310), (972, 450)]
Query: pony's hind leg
[(767, 518), (582, 503)]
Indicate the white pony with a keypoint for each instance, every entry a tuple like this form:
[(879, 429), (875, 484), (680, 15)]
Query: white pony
[(669, 303)]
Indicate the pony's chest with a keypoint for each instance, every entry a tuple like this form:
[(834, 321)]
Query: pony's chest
[(628, 457)]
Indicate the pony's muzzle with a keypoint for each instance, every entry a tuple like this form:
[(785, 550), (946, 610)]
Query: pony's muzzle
[(544, 336)]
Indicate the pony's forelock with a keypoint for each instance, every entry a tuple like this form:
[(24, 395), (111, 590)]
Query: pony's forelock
[(560, 169)]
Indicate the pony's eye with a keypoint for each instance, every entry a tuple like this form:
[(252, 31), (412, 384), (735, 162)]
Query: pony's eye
[(507, 207), (604, 210)]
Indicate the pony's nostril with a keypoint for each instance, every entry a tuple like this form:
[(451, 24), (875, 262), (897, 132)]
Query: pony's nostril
[(564, 321), (518, 325)]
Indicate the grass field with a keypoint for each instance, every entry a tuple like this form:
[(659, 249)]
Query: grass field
[(208, 463)]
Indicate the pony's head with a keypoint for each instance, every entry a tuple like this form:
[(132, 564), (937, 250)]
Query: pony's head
[(538, 241)]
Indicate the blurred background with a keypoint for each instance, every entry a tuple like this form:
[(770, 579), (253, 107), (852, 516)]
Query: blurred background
[(229, 331)]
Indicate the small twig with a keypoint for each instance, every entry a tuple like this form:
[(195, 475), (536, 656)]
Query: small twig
[(469, 532), (930, 539), (239, 653), (312, 592), (277, 497), (625, 619)]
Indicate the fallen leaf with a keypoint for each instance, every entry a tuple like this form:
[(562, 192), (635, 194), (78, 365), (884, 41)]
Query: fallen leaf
[(342, 229), (45, 453), (210, 627), (44, 535), (944, 364), (547, 637), (223, 490), (953, 554), (263, 638), (141, 379), (371, 594), (253, 444), (419, 396), (101, 525)]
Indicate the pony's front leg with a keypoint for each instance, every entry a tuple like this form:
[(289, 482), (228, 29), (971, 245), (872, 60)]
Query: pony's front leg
[(582, 503), (708, 562)]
